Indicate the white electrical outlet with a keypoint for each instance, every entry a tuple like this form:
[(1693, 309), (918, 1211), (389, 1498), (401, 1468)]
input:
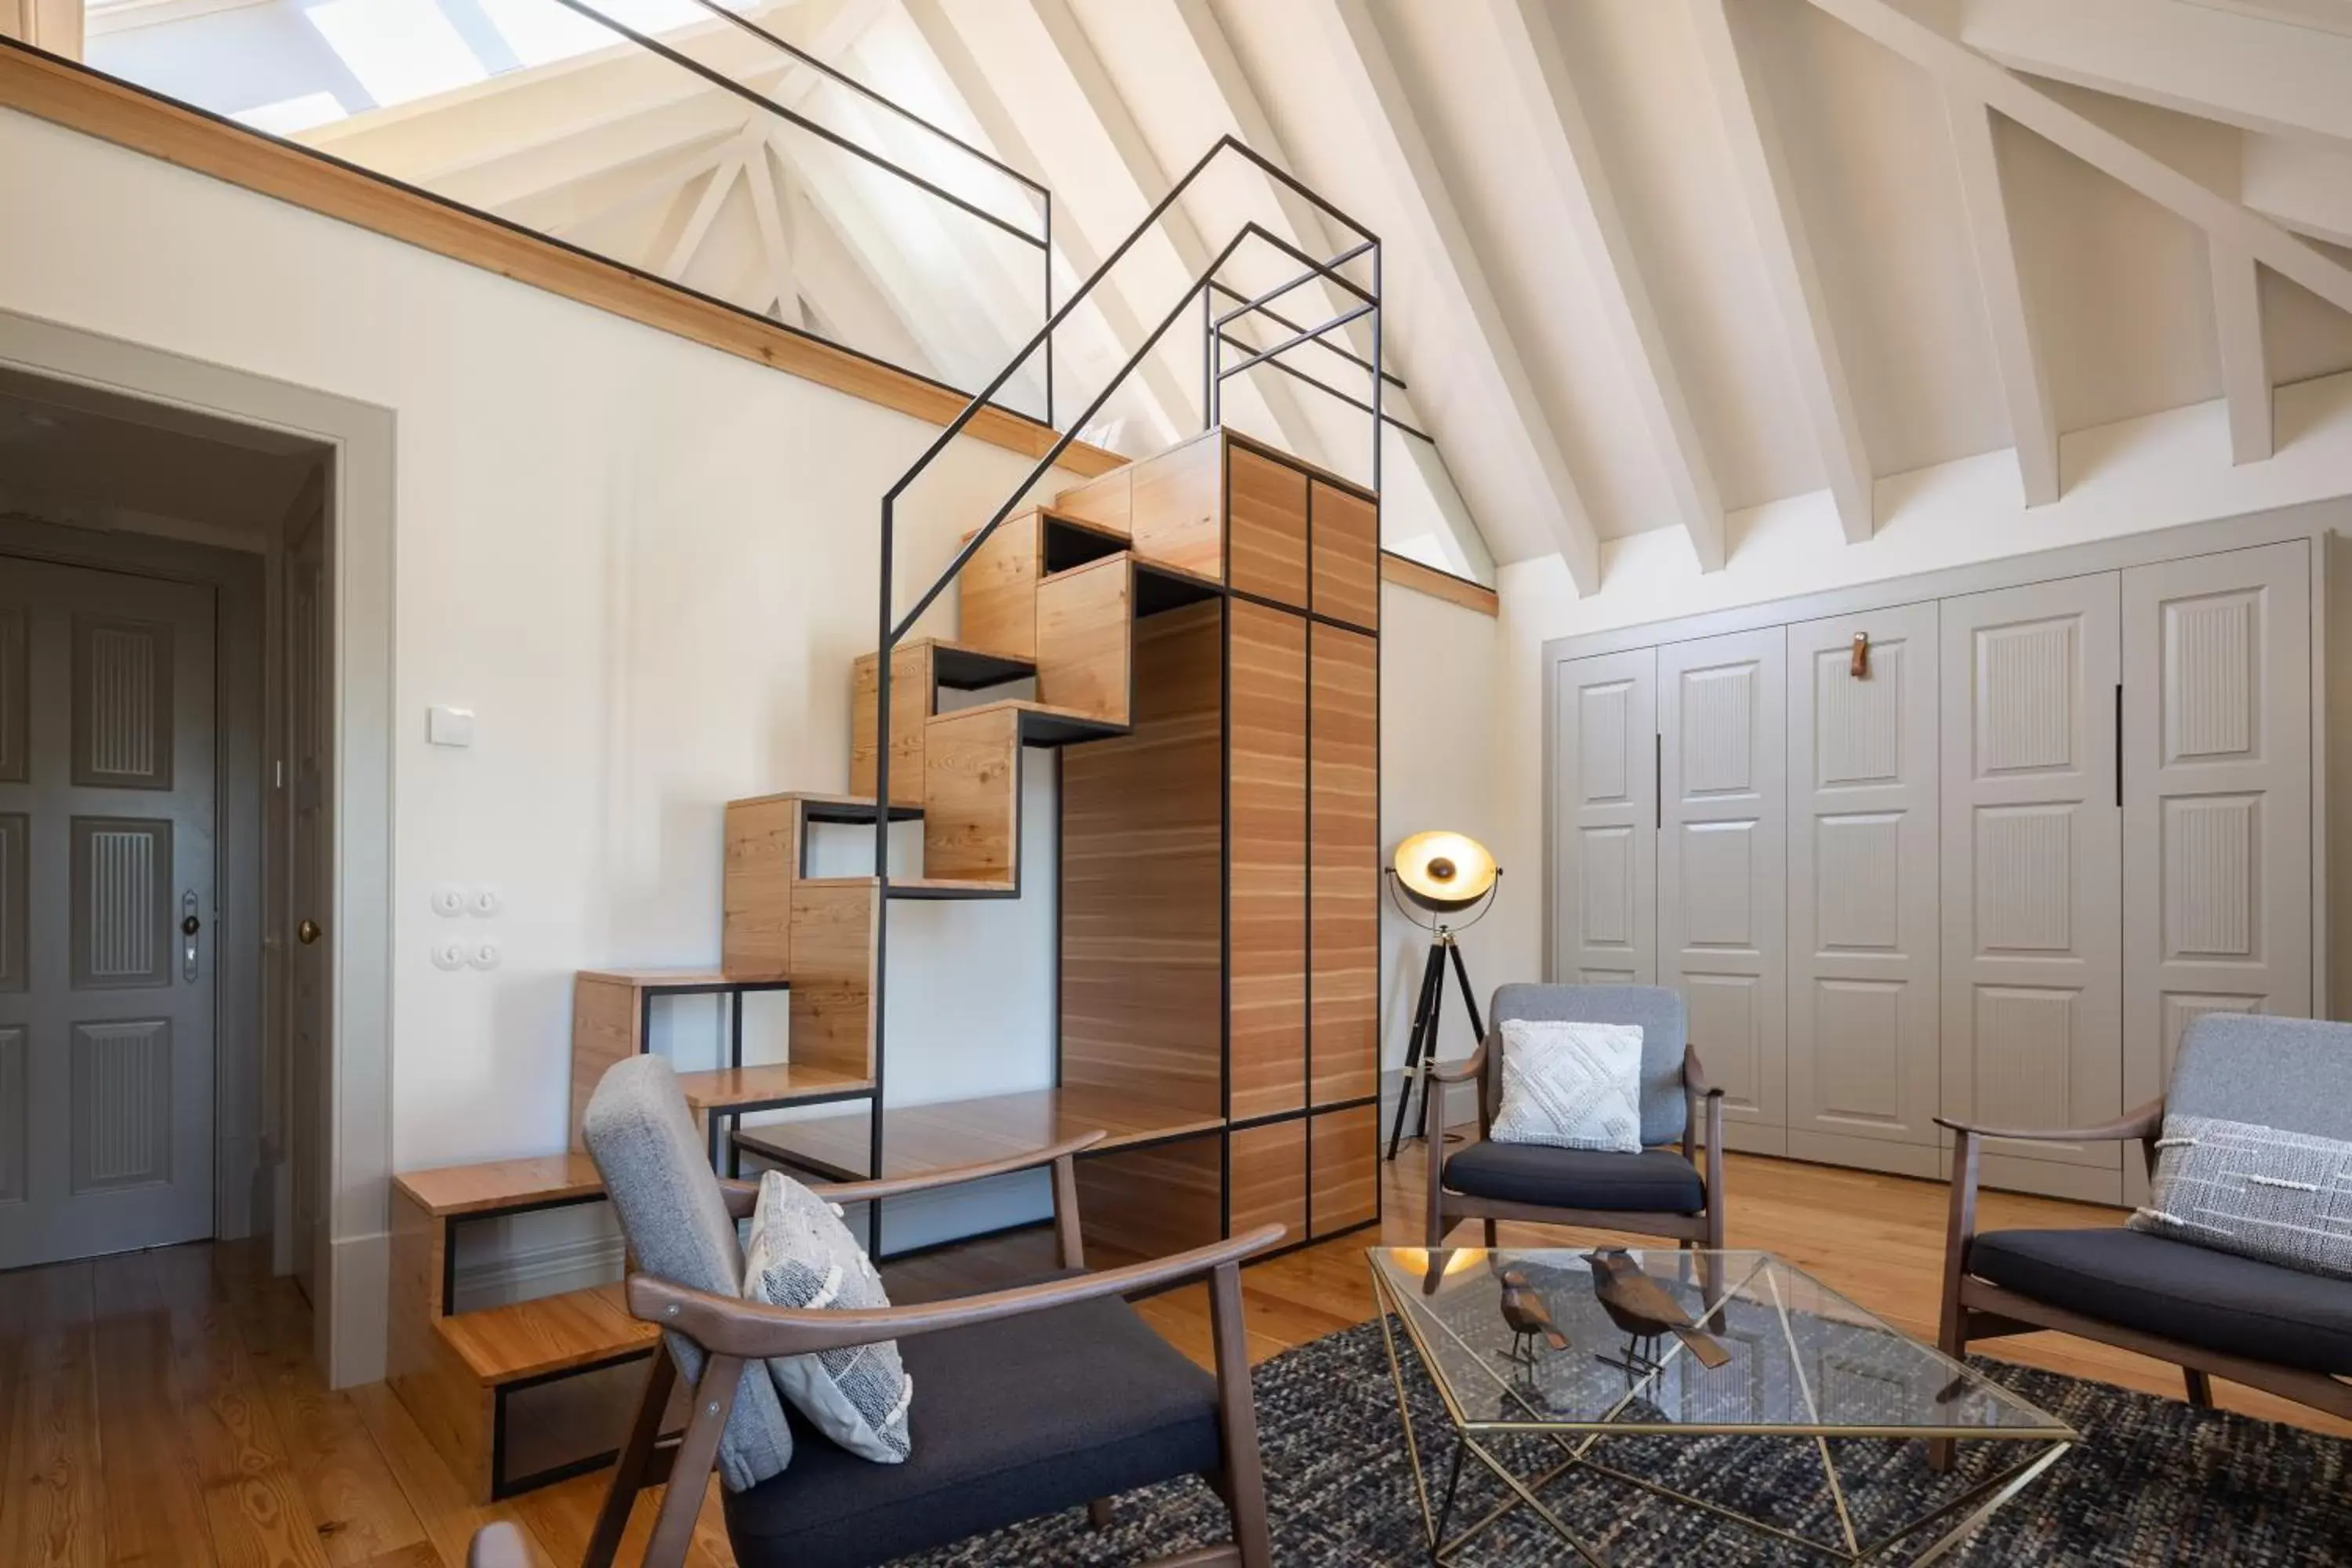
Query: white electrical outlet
[(449, 902), (486, 902), (486, 955), (449, 955)]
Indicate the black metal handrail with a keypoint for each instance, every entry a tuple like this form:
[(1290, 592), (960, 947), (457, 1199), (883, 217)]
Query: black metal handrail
[(892, 629)]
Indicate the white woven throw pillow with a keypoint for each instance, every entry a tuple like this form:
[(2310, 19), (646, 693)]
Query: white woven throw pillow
[(2283, 1197), (802, 1254), (1572, 1085)]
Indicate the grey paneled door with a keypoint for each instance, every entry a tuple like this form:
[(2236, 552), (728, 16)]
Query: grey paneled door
[(2217, 797), (2033, 974), (1605, 898), (106, 848), (1862, 869), (1722, 867)]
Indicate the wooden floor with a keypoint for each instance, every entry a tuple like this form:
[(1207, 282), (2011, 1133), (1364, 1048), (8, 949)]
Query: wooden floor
[(160, 1408)]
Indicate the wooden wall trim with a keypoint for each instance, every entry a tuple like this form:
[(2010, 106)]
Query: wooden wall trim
[(1445, 585), (96, 105)]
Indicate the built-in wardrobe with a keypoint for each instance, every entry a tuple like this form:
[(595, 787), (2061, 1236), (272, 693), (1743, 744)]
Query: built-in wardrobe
[(1979, 844)]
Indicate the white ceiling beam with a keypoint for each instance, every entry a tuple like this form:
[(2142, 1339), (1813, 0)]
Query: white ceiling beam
[(1539, 498), (2245, 71), (2024, 381), (1962, 70), (1168, 403), (1152, 183), (1540, 72), (1761, 166), (2245, 364), (2305, 187), (698, 222)]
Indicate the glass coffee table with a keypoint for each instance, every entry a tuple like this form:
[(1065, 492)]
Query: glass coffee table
[(1550, 1352)]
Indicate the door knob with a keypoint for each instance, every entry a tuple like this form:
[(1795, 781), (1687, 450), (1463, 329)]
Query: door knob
[(307, 932), (190, 925)]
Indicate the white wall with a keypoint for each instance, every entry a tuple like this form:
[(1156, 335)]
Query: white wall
[(2158, 471), (645, 564)]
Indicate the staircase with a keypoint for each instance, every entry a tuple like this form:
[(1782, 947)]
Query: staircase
[(1195, 633)]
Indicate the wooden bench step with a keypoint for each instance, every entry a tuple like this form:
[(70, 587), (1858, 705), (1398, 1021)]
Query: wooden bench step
[(503, 1186), (567, 1332), (778, 1083)]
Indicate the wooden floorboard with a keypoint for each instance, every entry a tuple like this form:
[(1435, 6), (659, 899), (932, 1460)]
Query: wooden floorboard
[(161, 1409)]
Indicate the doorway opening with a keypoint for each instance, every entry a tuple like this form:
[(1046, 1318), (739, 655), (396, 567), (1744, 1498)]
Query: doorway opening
[(166, 759)]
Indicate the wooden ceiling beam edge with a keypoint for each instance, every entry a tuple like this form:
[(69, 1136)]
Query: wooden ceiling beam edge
[(1540, 67), (95, 105), (2024, 379), (1761, 166)]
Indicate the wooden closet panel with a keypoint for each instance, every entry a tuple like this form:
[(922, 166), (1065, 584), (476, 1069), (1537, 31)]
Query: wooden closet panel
[(1266, 523), (2033, 880), (1268, 885), (1605, 886), (1723, 868), (1142, 868), (1268, 1167), (1343, 951), (1344, 1160), (1137, 1203), (1347, 534), (1863, 925), (2217, 798)]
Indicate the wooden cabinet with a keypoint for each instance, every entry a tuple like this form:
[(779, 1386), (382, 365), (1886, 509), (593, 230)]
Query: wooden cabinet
[(1990, 874), (1343, 882), (1226, 854)]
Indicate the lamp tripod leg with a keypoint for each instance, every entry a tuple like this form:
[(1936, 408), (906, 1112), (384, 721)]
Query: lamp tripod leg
[(1422, 1042)]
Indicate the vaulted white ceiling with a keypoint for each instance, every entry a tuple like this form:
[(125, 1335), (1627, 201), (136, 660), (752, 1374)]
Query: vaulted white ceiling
[(1649, 263)]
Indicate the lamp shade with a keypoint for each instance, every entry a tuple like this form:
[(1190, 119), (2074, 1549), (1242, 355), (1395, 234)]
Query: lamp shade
[(1443, 871)]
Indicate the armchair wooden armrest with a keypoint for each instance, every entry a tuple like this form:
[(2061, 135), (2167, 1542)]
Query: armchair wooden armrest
[(1463, 1071), (731, 1326), (1695, 1082), (1697, 1091), (2145, 1122)]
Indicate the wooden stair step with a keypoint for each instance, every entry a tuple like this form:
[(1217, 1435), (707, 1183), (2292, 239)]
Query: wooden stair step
[(926, 886), (552, 1333), (502, 1185), (844, 808), (1042, 723), (968, 666), (962, 1131), (766, 1085)]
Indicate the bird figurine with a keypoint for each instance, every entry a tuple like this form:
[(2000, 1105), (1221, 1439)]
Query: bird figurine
[(1529, 1320), (1641, 1307)]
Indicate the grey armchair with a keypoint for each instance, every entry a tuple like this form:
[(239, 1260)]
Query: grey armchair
[(1658, 1192), (1027, 1401), (2213, 1314)]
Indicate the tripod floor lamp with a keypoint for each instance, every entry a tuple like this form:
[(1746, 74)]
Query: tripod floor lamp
[(1443, 874)]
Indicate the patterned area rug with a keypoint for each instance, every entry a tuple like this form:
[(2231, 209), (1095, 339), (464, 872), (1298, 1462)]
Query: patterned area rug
[(2153, 1481)]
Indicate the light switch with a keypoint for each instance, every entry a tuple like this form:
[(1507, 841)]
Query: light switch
[(449, 726)]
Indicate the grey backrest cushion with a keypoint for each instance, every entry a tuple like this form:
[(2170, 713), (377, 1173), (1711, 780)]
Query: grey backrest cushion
[(1658, 1012), (2294, 1073), (657, 1172)]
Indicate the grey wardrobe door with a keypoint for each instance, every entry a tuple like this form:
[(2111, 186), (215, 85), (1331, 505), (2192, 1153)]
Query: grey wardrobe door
[(2217, 797), (1862, 929), (2033, 888), (1722, 866), (1604, 835)]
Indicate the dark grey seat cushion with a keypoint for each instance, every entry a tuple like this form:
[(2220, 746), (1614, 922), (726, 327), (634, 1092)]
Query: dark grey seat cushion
[(1655, 1181), (2214, 1301), (1654, 1010), (1010, 1419)]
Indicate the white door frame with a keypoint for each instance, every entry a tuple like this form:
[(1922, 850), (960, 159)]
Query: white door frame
[(354, 1274)]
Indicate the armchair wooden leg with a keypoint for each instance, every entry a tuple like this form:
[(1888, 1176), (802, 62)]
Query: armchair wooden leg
[(1488, 1226), (2201, 1387), (1952, 1328), (1243, 1475), (698, 1453), (629, 1475)]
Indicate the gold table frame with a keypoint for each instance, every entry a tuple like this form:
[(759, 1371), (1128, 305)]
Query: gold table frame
[(1974, 1505)]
